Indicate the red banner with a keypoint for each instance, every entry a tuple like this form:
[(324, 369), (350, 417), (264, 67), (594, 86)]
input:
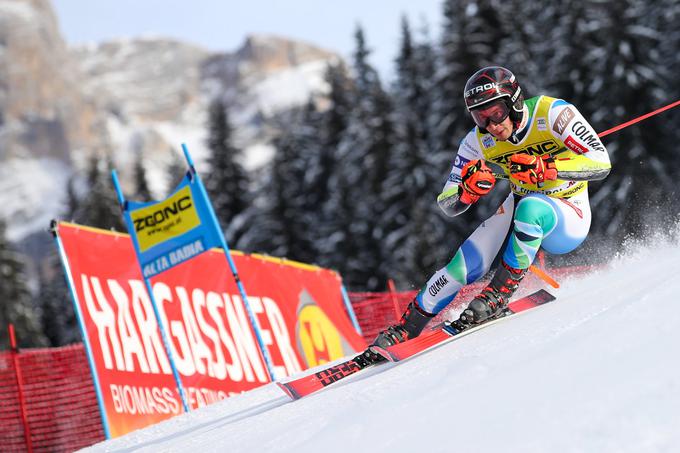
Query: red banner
[(299, 308)]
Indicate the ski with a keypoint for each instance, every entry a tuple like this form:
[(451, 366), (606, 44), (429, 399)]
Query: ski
[(306, 385), (448, 332)]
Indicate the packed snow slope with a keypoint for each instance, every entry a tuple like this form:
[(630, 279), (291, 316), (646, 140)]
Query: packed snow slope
[(598, 370)]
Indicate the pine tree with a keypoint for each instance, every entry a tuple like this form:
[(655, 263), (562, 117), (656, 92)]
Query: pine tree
[(15, 299), (311, 163), (429, 242), (425, 60), (326, 164), (340, 96), (58, 320), (142, 191), (287, 209), (458, 60), (624, 82), (410, 186), (519, 50), (562, 51), (359, 183), (665, 18), (485, 29), (72, 200), (226, 181), (175, 170), (329, 127), (99, 208)]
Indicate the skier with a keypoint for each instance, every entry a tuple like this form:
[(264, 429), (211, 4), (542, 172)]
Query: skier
[(550, 152)]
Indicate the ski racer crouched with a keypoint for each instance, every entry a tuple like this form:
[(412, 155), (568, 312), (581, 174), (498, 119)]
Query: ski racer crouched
[(550, 152)]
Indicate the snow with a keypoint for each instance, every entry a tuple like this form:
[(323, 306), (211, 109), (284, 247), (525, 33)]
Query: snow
[(19, 10), (258, 155), (595, 371), (29, 197), (289, 87)]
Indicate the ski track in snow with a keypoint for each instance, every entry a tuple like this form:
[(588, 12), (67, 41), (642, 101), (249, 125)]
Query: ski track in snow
[(595, 371)]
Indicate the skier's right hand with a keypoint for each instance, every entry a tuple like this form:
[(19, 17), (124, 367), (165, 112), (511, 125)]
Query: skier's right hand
[(477, 180)]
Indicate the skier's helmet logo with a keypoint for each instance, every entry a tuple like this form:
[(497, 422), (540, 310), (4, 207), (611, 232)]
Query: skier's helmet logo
[(494, 83)]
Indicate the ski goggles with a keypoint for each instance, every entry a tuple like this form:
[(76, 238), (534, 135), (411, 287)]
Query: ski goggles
[(497, 112)]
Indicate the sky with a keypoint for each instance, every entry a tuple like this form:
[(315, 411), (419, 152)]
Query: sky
[(223, 25)]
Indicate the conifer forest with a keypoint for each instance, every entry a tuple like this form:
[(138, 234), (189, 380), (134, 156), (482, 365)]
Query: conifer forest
[(353, 183)]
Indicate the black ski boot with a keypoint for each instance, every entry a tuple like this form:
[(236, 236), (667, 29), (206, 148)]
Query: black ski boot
[(412, 322), (493, 299)]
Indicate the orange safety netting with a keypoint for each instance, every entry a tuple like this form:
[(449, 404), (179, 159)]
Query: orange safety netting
[(60, 402)]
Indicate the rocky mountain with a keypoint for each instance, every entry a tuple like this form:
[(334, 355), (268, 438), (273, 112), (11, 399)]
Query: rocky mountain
[(60, 105), (44, 115)]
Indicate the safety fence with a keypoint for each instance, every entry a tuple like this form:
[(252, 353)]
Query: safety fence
[(48, 401)]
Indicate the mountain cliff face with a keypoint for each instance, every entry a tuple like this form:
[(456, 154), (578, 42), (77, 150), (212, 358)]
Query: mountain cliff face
[(144, 79), (58, 106), (44, 112), (44, 115)]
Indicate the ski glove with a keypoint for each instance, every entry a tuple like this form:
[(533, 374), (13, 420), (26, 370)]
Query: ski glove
[(476, 181), (532, 169)]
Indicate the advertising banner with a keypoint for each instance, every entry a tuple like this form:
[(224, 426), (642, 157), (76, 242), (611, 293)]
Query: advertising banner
[(299, 309), (171, 231)]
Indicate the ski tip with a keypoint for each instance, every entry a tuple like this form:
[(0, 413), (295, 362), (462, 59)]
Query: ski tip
[(288, 390)]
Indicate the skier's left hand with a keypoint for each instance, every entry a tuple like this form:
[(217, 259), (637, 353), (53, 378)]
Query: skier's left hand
[(532, 169)]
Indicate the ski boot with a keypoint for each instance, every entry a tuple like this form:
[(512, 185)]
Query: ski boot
[(412, 322), (493, 299)]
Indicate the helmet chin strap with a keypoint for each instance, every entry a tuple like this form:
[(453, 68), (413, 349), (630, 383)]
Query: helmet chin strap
[(525, 119), (518, 127)]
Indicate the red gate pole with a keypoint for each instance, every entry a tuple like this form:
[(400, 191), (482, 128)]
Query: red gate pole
[(20, 387), (393, 296), (541, 259)]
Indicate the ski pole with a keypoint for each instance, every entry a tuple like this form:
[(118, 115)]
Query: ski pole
[(540, 273)]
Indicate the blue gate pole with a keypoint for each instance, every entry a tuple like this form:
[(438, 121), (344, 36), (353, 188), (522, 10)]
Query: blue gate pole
[(350, 310), (161, 327)]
